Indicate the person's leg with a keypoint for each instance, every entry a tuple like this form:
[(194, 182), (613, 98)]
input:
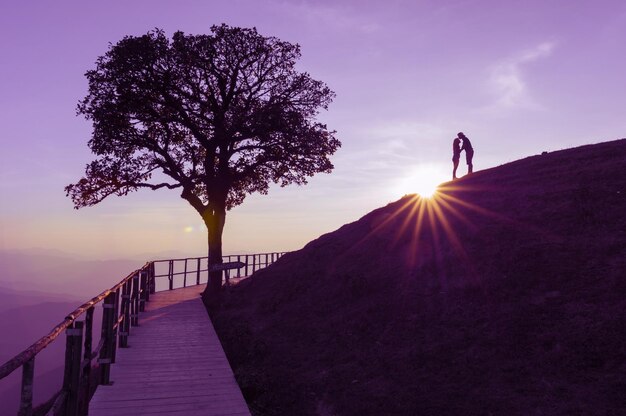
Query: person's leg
[(468, 157), (456, 165)]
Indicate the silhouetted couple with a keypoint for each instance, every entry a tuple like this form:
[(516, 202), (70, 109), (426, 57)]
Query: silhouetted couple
[(457, 148)]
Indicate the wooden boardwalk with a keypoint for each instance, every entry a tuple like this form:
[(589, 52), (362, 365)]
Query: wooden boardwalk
[(175, 364)]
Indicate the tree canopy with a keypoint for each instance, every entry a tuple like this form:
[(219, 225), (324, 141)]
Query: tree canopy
[(219, 116), (223, 112)]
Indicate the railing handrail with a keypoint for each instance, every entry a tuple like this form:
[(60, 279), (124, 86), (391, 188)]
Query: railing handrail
[(129, 297), (26, 355), (225, 255), (264, 260)]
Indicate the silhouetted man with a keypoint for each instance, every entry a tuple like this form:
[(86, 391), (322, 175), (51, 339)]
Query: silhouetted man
[(469, 151), (456, 155)]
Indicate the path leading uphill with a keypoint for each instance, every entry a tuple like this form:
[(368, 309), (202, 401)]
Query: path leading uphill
[(174, 364)]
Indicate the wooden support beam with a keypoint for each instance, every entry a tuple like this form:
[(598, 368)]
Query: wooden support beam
[(152, 278), (106, 353), (134, 301), (26, 397), (148, 283), (71, 376), (198, 272), (115, 317), (143, 284), (125, 330), (85, 379), (171, 274)]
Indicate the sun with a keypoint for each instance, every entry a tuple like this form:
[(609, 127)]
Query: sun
[(426, 189), (422, 180)]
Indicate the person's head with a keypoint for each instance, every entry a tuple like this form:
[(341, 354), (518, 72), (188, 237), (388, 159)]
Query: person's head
[(460, 135), (456, 140)]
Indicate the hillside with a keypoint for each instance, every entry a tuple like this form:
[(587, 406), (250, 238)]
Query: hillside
[(503, 295)]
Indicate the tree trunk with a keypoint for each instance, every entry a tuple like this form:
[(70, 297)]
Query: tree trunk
[(215, 226)]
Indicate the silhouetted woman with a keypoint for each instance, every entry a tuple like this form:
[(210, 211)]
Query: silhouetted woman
[(469, 152), (456, 155)]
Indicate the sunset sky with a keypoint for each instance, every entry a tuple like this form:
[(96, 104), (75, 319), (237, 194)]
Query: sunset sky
[(517, 77)]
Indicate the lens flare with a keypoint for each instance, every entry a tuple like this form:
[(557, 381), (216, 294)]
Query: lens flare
[(423, 180), (427, 190)]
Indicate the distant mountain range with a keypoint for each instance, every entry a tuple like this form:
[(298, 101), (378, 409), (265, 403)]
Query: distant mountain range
[(38, 288), (55, 272)]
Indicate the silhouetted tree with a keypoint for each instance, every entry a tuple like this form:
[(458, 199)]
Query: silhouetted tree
[(220, 115)]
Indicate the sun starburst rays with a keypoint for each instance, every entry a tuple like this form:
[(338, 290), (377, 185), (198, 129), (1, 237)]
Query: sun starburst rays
[(428, 236), (433, 228)]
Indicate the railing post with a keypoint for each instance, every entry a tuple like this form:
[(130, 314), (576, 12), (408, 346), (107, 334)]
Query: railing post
[(147, 287), (86, 364), (143, 276), (71, 377), (152, 278), (134, 301), (26, 401), (266, 259), (107, 336), (116, 316), (253, 263), (239, 269), (171, 274), (185, 275), (198, 272), (246, 269), (126, 311)]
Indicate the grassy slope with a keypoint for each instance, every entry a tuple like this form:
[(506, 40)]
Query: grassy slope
[(526, 314)]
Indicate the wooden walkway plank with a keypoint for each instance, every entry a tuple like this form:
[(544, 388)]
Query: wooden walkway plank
[(175, 364)]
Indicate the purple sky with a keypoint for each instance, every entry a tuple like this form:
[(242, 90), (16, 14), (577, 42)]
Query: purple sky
[(517, 77)]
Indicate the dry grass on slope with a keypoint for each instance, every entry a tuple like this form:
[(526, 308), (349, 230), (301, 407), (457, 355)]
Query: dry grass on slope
[(505, 295)]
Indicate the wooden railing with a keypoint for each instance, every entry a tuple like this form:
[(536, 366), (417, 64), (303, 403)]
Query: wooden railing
[(121, 306), (194, 270)]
